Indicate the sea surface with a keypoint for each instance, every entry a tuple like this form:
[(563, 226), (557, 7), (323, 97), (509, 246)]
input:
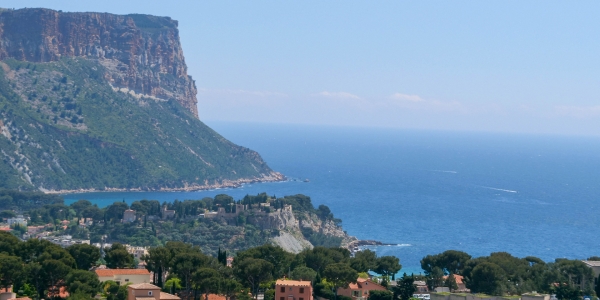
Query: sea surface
[(430, 191)]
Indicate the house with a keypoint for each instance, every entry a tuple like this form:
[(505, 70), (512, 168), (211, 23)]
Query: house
[(460, 283), (137, 252), (147, 291), (129, 216), (293, 290), (360, 290), (84, 222), (167, 213), (594, 265), (124, 276), (229, 261), (18, 220), (420, 287)]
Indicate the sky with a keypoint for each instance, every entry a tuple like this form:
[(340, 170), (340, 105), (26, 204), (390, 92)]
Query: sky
[(501, 66)]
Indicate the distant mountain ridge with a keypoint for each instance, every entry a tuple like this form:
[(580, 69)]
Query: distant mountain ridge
[(96, 101)]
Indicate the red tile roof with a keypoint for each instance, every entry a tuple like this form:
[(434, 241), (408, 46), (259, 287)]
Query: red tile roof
[(112, 272), (215, 297), (361, 282), (458, 278)]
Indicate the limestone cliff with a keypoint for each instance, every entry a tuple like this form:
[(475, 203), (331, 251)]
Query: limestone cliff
[(140, 53), (296, 228)]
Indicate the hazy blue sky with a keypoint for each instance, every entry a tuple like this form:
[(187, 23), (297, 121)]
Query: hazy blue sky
[(517, 66)]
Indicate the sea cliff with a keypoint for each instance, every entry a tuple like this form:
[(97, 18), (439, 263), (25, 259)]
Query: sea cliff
[(140, 52)]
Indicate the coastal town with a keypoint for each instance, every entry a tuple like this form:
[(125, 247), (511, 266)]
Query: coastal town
[(362, 276)]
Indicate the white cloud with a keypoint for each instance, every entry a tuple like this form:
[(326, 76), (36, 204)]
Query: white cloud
[(406, 97), (339, 95)]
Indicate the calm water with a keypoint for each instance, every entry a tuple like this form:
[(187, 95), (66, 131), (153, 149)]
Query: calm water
[(430, 191)]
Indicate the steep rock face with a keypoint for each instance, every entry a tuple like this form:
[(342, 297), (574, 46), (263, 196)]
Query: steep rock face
[(328, 228), (140, 53), (291, 235)]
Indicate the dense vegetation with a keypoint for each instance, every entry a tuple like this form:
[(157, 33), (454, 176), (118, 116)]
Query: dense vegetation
[(151, 229), (500, 273), (62, 126)]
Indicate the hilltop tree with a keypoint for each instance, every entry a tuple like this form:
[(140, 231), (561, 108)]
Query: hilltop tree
[(303, 273), (450, 262), (380, 295), (158, 261), (117, 257), (208, 280), (253, 271), (487, 278), (388, 266), (10, 270), (340, 275), (364, 261), (82, 281), (450, 282), (404, 288), (85, 255)]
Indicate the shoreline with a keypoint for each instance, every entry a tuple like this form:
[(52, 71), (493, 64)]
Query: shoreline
[(272, 177)]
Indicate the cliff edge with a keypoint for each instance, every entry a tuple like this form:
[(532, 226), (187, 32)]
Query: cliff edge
[(103, 102), (141, 53)]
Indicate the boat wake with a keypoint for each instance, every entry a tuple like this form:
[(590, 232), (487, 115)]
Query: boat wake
[(497, 189), (444, 171)]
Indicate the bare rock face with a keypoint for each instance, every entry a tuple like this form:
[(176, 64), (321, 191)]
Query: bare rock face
[(141, 53)]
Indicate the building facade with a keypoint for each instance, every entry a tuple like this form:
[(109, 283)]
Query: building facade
[(147, 291), (360, 290), (124, 276), (293, 290)]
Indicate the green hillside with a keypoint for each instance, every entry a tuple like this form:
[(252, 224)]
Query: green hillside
[(64, 127)]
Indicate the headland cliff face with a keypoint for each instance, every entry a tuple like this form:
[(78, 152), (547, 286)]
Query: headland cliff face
[(141, 53), (102, 102)]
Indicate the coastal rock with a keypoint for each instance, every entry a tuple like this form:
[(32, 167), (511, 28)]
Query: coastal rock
[(141, 53)]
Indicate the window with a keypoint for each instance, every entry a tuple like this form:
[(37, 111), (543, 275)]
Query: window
[(301, 292), (281, 298), (149, 293), (126, 279), (355, 293), (282, 289), (301, 298)]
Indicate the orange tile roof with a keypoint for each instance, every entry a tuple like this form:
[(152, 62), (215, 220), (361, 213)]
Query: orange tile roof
[(292, 282), (167, 296), (143, 286), (458, 278), (360, 282), (112, 272), (215, 297)]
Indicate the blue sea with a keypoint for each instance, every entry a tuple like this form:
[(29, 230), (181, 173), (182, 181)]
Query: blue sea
[(430, 191)]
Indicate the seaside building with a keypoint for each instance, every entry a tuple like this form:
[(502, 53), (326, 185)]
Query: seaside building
[(147, 291), (18, 220), (129, 216), (167, 213), (124, 276), (361, 289), (137, 252), (594, 265), (460, 283), (293, 290)]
